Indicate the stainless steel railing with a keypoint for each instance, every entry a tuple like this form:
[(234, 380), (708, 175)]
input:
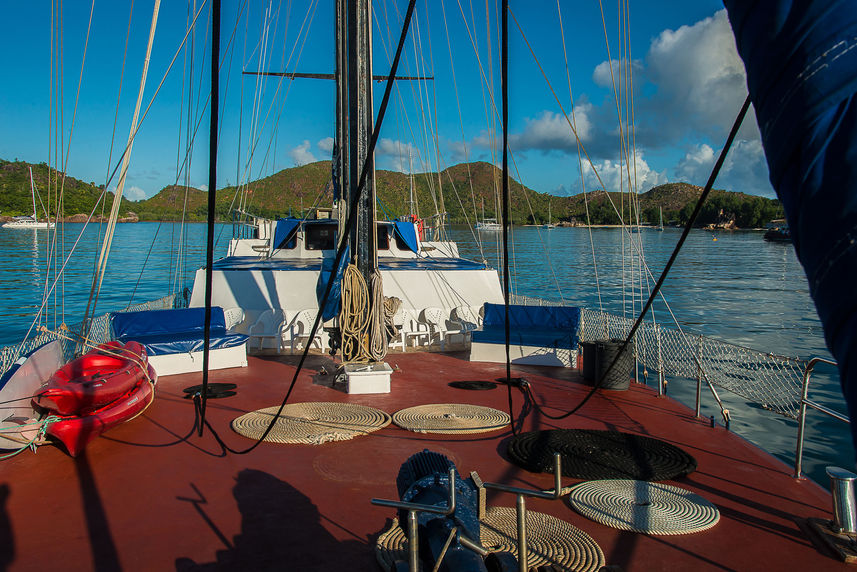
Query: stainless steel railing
[(805, 402)]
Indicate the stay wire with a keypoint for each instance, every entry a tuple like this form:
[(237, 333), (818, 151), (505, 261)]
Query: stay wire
[(712, 177), (350, 221), (504, 81)]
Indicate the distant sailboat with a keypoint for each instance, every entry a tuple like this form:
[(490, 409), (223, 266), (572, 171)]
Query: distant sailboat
[(487, 223), (661, 216), (549, 225), (28, 221)]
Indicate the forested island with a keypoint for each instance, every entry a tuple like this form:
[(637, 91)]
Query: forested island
[(462, 191)]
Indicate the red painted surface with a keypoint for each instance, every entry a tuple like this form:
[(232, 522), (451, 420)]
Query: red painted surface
[(151, 495)]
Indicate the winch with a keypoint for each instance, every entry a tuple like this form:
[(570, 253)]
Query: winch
[(441, 509)]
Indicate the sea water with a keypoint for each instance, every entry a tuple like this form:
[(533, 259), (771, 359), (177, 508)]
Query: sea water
[(732, 286)]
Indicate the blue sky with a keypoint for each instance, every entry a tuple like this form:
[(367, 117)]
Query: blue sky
[(688, 84)]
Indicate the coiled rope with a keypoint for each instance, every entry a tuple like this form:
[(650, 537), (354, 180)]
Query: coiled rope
[(354, 316)]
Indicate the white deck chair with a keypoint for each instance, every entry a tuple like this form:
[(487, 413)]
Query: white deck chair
[(267, 327), (435, 319), (413, 329), (463, 320), (297, 332), (233, 317)]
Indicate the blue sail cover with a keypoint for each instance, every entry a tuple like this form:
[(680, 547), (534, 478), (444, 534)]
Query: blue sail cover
[(407, 231), (801, 61), (331, 309), (285, 231)]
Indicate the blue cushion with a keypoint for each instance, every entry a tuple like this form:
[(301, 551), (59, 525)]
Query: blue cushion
[(157, 346), (540, 326), (537, 317), (163, 324)]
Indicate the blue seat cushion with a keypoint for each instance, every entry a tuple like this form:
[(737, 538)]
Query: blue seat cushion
[(166, 323), (174, 331), (156, 346), (540, 326)]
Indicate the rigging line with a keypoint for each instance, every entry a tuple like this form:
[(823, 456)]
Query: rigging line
[(116, 113), (712, 177), (117, 196), (157, 91), (504, 83), (579, 159), (463, 136), (304, 31), (61, 271), (574, 131), (212, 198), (351, 220), (279, 114), (565, 116), (52, 244)]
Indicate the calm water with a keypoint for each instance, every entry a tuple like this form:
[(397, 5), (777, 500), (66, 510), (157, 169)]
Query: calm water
[(738, 288)]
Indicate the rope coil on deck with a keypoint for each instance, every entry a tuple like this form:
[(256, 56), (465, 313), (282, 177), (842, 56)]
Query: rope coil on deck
[(451, 418), (640, 506), (312, 423), (592, 454), (550, 541)]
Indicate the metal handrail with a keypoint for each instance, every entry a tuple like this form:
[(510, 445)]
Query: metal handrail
[(806, 402), (413, 510), (521, 506)]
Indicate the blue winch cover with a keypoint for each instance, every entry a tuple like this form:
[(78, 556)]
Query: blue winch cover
[(174, 331), (285, 231), (801, 60), (541, 326), (331, 309), (407, 231)]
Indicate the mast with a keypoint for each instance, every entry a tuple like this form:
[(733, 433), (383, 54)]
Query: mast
[(354, 130), (411, 173), (33, 191)]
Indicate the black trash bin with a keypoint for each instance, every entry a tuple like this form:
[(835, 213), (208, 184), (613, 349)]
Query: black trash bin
[(597, 357)]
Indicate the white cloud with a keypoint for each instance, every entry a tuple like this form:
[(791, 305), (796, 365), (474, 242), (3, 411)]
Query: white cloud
[(134, 193), (202, 188), (399, 155), (552, 132), (301, 155), (619, 176), (602, 75), (700, 80), (325, 145), (744, 170)]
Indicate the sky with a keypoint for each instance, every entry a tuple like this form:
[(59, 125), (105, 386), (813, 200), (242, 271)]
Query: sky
[(68, 96)]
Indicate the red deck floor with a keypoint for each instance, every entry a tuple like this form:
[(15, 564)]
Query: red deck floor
[(150, 496)]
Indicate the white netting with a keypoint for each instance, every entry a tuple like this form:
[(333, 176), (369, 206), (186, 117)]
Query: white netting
[(99, 332), (771, 381)]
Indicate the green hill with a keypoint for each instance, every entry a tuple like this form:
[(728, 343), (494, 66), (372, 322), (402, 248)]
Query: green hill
[(78, 197), (463, 191)]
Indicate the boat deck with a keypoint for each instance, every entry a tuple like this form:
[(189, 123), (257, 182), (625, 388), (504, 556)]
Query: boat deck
[(151, 495)]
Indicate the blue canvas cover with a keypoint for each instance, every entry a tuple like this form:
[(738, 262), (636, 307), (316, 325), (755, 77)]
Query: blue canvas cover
[(407, 231), (285, 231), (540, 326), (154, 323), (174, 331), (331, 309), (801, 61)]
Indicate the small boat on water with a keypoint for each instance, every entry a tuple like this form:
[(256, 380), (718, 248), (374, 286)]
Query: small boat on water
[(76, 431), (95, 379), (29, 221)]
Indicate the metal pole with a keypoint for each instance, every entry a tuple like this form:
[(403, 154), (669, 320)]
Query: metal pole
[(413, 542), (521, 507), (698, 375), (660, 366)]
